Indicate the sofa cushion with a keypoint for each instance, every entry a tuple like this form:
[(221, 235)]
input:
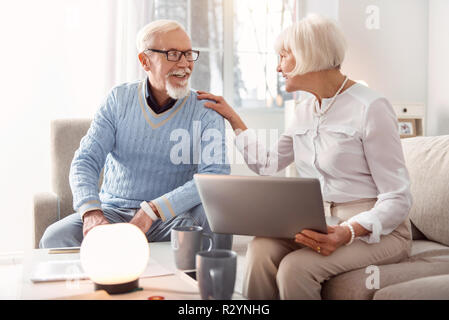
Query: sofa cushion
[(428, 288), (65, 137), (427, 259), (416, 234), (427, 160), (423, 248)]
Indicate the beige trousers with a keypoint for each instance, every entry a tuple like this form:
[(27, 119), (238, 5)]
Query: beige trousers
[(280, 268)]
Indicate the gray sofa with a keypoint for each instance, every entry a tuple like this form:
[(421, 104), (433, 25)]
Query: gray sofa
[(425, 275)]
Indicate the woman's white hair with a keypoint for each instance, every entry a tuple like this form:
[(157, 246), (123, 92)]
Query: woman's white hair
[(147, 33), (316, 42)]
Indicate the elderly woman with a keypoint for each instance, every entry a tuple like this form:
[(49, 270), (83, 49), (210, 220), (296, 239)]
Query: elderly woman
[(346, 135)]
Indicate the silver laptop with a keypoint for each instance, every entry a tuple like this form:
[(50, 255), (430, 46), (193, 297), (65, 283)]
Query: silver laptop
[(261, 206)]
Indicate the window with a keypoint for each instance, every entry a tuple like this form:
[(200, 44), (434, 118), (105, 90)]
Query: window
[(237, 59), (76, 51), (203, 20), (256, 81)]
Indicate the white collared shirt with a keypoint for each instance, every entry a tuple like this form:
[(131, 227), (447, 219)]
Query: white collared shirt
[(354, 150)]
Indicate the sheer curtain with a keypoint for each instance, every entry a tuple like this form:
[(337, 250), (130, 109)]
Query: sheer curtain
[(58, 60), (125, 19)]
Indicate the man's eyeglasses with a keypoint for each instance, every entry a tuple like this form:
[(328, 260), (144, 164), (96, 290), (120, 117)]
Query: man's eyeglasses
[(175, 55)]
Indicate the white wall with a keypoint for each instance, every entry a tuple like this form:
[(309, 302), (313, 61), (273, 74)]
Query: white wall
[(328, 8), (438, 89), (393, 58), (46, 58)]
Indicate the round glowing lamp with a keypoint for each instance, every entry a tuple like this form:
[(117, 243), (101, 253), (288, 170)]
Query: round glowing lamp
[(114, 256)]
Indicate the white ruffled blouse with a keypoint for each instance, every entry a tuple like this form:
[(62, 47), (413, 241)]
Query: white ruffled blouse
[(354, 150)]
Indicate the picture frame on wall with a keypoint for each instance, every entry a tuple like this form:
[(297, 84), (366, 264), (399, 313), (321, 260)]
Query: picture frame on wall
[(407, 128)]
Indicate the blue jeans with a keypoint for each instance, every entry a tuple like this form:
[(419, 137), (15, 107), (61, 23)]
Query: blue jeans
[(68, 232)]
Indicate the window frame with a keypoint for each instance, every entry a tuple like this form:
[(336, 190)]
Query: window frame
[(228, 50)]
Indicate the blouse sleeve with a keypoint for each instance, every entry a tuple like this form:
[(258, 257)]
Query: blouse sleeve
[(384, 155), (260, 160)]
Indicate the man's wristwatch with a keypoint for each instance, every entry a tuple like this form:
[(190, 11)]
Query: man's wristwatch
[(147, 209)]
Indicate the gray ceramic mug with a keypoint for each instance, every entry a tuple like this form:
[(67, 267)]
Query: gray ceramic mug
[(215, 272), (222, 241), (186, 241)]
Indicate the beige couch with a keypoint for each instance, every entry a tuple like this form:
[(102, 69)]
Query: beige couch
[(425, 275)]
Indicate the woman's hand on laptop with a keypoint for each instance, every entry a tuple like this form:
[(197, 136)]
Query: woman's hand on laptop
[(324, 244)]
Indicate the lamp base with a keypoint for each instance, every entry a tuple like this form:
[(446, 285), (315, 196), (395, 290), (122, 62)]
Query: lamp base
[(119, 287)]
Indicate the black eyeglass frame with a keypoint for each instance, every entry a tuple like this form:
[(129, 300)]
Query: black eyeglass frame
[(180, 55)]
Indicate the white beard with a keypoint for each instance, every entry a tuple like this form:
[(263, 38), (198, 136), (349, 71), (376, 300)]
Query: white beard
[(175, 92)]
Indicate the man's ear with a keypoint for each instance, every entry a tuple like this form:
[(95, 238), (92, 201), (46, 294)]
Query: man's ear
[(144, 61)]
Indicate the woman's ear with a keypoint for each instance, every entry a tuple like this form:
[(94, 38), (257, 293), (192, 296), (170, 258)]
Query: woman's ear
[(144, 61)]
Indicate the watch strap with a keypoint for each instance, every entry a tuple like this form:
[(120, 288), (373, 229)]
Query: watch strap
[(147, 209)]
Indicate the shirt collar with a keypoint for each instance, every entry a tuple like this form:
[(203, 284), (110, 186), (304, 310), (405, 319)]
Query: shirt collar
[(153, 103)]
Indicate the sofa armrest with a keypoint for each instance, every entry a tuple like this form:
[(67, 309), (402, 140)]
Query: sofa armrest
[(45, 212), (427, 288)]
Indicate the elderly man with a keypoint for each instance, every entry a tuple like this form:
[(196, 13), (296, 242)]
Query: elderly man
[(134, 135)]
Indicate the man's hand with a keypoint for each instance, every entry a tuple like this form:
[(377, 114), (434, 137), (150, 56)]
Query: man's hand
[(142, 221), (92, 219)]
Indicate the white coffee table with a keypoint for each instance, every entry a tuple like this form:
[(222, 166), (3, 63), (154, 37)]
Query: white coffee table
[(178, 286)]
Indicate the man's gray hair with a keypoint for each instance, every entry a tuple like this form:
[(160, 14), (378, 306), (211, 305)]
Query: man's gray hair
[(147, 33), (316, 42)]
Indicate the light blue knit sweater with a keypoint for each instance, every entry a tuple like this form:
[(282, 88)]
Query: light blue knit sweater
[(147, 156)]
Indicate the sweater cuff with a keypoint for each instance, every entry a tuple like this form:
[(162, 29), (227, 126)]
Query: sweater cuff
[(89, 206), (164, 208)]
